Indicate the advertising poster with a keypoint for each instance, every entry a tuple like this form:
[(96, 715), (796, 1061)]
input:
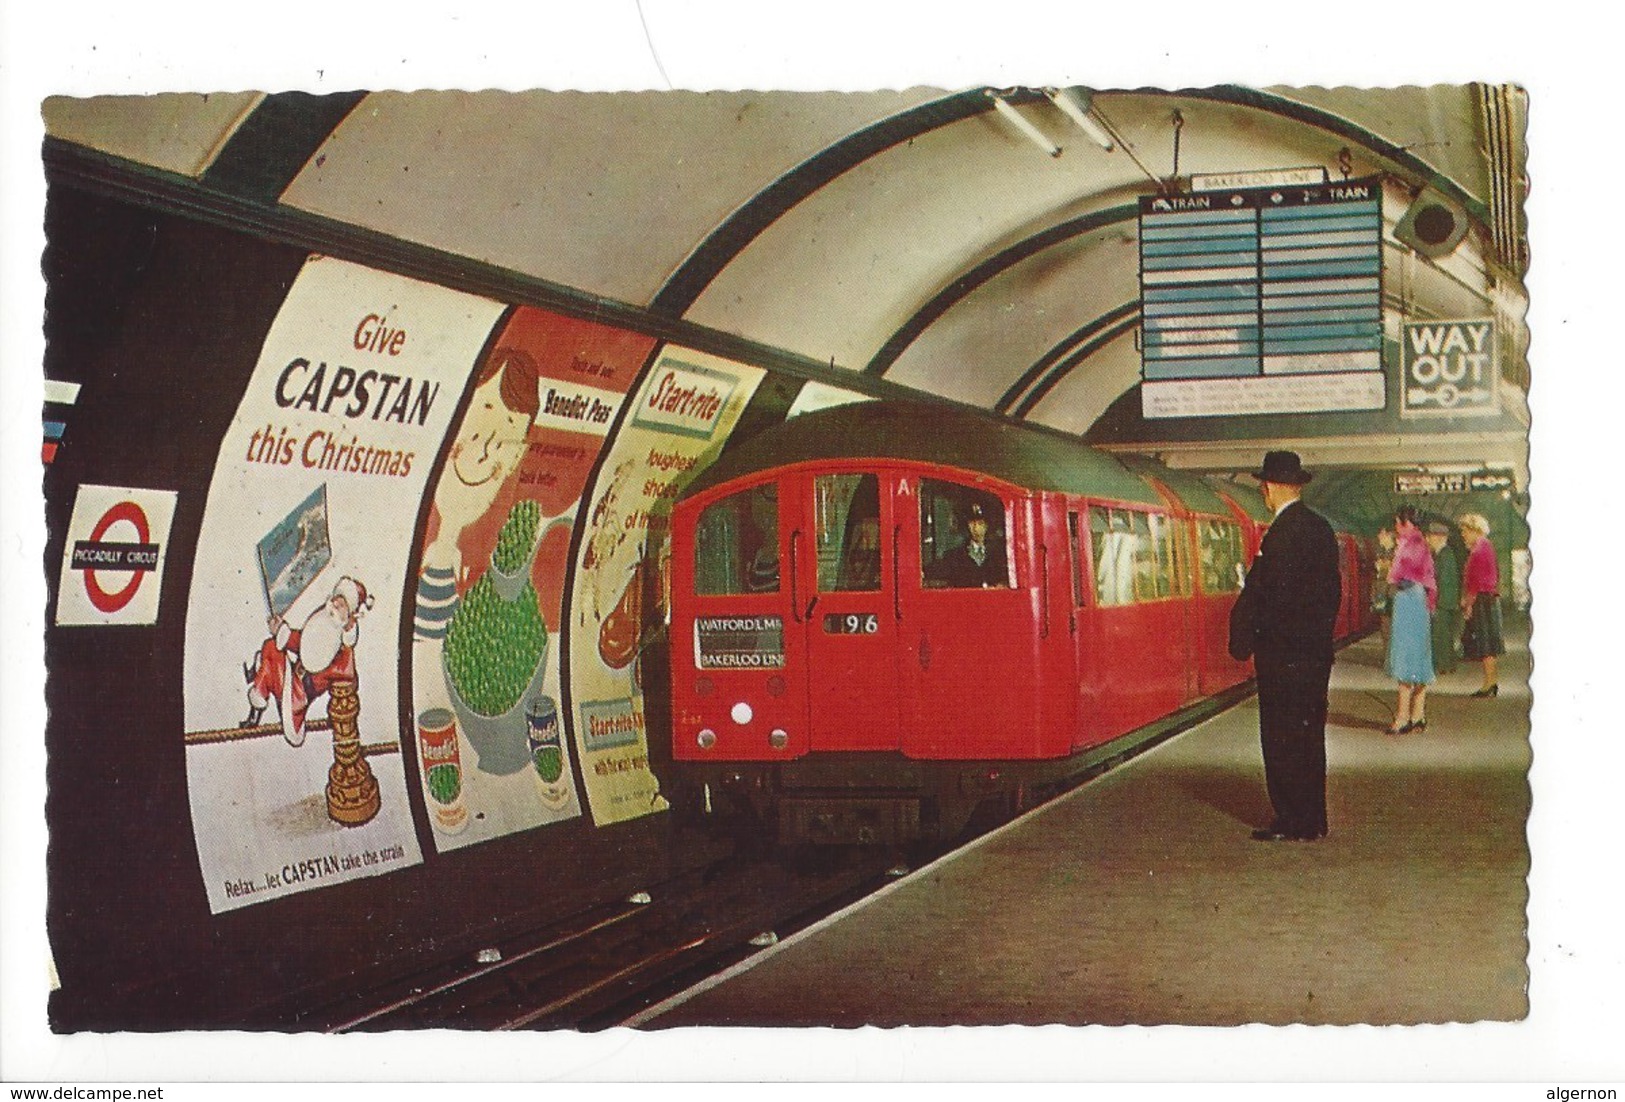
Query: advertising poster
[(292, 668), (489, 592), (679, 419)]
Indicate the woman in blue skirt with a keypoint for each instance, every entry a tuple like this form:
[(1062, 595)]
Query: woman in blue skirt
[(1410, 642)]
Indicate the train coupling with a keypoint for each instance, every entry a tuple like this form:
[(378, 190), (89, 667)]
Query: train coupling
[(849, 821)]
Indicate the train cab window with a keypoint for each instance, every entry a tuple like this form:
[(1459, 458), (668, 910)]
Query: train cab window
[(962, 537), (736, 544), (1222, 561), (847, 518)]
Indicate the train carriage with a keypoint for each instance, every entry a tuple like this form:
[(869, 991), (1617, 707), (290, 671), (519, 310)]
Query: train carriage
[(843, 667), (1222, 548)]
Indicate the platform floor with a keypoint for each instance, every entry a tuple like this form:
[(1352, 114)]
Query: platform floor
[(1141, 897)]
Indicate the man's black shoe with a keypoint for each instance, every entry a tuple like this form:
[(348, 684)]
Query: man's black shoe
[(1271, 834)]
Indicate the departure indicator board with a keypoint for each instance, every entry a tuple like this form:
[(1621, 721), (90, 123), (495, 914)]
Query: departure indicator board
[(1262, 300)]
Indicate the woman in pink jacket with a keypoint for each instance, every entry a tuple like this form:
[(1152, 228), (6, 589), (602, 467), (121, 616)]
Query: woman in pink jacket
[(1481, 600)]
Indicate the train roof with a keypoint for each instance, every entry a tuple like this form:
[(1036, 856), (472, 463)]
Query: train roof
[(1192, 492), (933, 434), (1250, 498)]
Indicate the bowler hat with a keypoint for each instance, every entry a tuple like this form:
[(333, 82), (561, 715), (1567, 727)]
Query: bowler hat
[(1283, 467), (1438, 528)]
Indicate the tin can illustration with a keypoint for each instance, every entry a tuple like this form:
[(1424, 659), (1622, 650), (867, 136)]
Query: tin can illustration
[(547, 750), (442, 769)]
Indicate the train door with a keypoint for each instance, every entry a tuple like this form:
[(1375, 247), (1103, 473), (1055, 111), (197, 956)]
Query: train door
[(1142, 636), (1083, 623), (969, 645), (1176, 544), (736, 652), (845, 596)]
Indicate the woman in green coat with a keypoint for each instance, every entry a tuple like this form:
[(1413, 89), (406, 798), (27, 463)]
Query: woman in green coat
[(1447, 618)]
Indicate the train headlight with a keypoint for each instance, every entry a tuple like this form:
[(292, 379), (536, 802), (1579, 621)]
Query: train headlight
[(707, 739), (742, 713), (779, 739)]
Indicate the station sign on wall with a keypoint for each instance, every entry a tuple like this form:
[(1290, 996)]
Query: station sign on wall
[(1450, 368), (1262, 300), (1452, 482), (113, 563), (1426, 482)]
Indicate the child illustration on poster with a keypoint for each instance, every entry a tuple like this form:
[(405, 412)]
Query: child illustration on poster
[(489, 603)]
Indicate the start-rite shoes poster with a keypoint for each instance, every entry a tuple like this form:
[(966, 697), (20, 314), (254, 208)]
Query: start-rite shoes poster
[(293, 736), (688, 404)]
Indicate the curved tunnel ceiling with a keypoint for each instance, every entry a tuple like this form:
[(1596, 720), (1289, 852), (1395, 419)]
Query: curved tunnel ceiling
[(912, 236)]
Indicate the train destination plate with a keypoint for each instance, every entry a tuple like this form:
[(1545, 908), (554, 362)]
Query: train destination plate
[(739, 642)]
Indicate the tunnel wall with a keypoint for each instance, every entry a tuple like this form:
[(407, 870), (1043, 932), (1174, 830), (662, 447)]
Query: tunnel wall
[(239, 834)]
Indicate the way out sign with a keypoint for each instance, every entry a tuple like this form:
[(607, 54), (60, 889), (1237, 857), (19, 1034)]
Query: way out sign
[(1450, 368), (112, 566)]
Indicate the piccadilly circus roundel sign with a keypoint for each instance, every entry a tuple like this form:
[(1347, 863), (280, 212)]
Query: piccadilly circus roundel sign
[(112, 566)]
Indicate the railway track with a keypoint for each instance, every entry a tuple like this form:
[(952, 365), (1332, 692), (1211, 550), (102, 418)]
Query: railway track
[(603, 966)]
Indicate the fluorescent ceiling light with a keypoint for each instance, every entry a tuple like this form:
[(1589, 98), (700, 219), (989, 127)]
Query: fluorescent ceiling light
[(1065, 100), (1020, 122)]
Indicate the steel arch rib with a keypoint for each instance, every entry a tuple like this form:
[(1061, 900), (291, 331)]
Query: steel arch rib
[(1041, 368), (747, 223), (1064, 368)]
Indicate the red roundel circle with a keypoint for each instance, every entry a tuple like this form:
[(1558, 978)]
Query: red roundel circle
[(103, 600)]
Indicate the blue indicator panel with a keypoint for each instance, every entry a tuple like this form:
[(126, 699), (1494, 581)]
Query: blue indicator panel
[(1260, 282)]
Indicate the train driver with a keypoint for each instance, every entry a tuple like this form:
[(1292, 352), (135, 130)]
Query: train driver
[(979, 562)]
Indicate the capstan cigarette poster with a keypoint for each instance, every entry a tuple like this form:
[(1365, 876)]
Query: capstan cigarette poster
[(680, 417), (293, 737)]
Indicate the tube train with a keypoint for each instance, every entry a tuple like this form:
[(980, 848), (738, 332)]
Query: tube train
[(885, 615)]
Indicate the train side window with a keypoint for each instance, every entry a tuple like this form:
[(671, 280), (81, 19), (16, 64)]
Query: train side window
[(950, 515), (1173, 556), (736, 544), (1144, 557), (1184, 572), (1221, 556), (1074, 525), (1114, 545), (847, 519)]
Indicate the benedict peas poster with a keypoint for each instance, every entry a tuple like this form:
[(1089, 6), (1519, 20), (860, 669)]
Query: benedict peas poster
[(489, 608), (294, 749)]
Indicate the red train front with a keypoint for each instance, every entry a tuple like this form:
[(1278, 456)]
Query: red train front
[(884, 615)]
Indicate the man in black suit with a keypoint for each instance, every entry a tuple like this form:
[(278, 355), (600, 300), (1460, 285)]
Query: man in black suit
[(1284, 620)]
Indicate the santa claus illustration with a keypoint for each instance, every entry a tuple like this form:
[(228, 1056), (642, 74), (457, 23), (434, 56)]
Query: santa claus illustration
[(297, 666)]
